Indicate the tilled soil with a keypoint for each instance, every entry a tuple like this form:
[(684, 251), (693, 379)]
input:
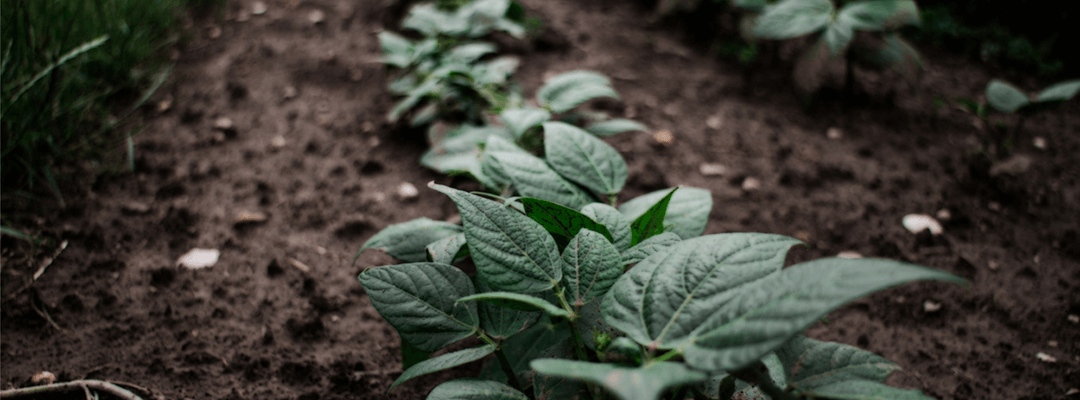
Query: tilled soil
[(282, 315)]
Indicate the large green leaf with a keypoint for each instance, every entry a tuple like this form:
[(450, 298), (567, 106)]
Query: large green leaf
[(764, 314), (532, 177), (500, 323), (468, 389), (793, 18), (429, 20), (518, 301), (470, 52), (615, 126), (1061, 91), (743, 389), (591, 264), (642, 383), (542, 340), (648, 247), (496, 71), (511, 251), (814, 363), (838, 38), (687, 212), (410, 355), (448, 249), (879, 15), (651, 222), (617, 224), (407, 241), (674, 294), (864, 390), (519, 120), (562, 222), (583, 158), (419, 300), (397, 50), (458, 150), (566, 91), (1005, 97), (445, 361)]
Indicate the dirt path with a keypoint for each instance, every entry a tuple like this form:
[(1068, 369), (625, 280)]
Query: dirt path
[(282, 316)]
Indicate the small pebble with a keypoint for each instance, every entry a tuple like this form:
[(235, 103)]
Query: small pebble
[(250, 217), (849, 254), (316, 17), (408, 191), (277, 142), (712, 169), (714, 122), (834, 133), (1052, 343), (944, 214), (994, 206), (1045, 357), (164, 105), (134, 207), (223, 124), (43, 378), (664, 137), (1074, 318), (1072, 392), (931, 306), (258, 8), (243, 15), (1039, 142), (213, 32), (993, 265), (290, 92), (751, 184), (916, 223), (199, 258), (299, 265)]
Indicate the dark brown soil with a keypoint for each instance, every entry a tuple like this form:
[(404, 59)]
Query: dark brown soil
[(282, 315)]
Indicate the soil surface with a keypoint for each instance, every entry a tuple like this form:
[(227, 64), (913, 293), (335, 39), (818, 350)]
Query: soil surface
[(282, 315)]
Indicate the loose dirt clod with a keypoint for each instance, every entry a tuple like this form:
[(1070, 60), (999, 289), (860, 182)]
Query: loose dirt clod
[(199, 258), (43, 378), (751, 184), (1039, 142), (714, 122), (931, 306), (834, 133), (277, 142), (944, 214), (1074, 318), (916, 223), (258, 8), (664, 137), (316, 17)]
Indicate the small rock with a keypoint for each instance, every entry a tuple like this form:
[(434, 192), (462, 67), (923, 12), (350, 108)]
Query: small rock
[(243, 15), (1052, 343), (1039, 142), (135, 208), (931, 306), (714, 122), (299, 265), (290, 92), (43, 378), (671, 110), (834, 133), (277, 142), (944, 214), (751, 184), (1015, 165), (316, 17), (994, 206), (1074, 318), (1072, 392), (199, 258), (993, 265), (408, 191), (849, 254), (664, 137), (712, 169), (213, 32), (164, 105), (1045, 357), (225, 125), (258, 8), (916, 223), (245, 217)]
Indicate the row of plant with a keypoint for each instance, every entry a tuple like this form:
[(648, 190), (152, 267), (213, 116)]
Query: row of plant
[(579, 295)]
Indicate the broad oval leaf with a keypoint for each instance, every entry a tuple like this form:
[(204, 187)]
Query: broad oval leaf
[(591, 264), (616, 223), (397, 50), (532, 177), (448, 249), (672, 295), (468, 389), (511, 251), (741, 389), (518, 301), (470, 52), (793, 18), (687, 212), (419, 300), (568, 90), (501, 323), (766, 313), (542, 340), (1061, 91), (562, 222), (641, 383), (651, 222), (615, 126), (1005, 97), (814, 363), (407, 241), (649, 247), (878, 15), (445, 361), (865, 390), (584, 159), (429, 20), (838, 38), (519, 120)]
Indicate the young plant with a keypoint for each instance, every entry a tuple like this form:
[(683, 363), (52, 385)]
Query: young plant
[(1009, 99), (578, 299), (877, 46)]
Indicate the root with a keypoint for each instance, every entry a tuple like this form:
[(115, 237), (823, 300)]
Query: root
[(86, 385)]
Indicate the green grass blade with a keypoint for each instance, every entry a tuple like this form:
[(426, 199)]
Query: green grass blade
[(67, 57)]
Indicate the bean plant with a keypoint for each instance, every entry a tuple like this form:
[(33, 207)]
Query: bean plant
[(1006, 98), (577, 296)]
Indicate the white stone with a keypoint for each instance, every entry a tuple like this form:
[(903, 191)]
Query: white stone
[(834, 133), (751, 184), (1039, 142), (849, 254), (714, 122), (408, 191), (316, 16), (199, 258), (712, 169), (931, 306), (258, 8), (918, 222), (944, 214), (1045, 357)]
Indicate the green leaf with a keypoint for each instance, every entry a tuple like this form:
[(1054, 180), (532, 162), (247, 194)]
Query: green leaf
[(616, 126), (1061, 91), (407, 241), (459, 150), (879, 15), (815, 363), (674, 294), (865, 390), (591, 323), (543, 340), (448, 249), (445, 361), (838, 38), (496, 71), (812, 67), (429, 20), (500, 323), (410, 355), (511, 251), (532, 177), (1005, 97), (651, 222), (583, 159), (741, 389), (397, 50), (764, 314), (568, 90), (519, 120), (591, 264), (751, 5), (793, 18), (649, 247), (419, 300), (467, 389), (563, 223), (890, 52), (687, 212), (617, 223), (518, 301), (470, 52), (643, 383)]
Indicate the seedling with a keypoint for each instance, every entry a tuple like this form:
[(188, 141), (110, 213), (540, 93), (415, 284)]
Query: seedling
[(877, 44), (1006, 98), (578, 299)]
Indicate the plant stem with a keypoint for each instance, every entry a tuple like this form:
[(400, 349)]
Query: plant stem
[(667, 356), (613, 199), (86, 384), (509, 371)]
